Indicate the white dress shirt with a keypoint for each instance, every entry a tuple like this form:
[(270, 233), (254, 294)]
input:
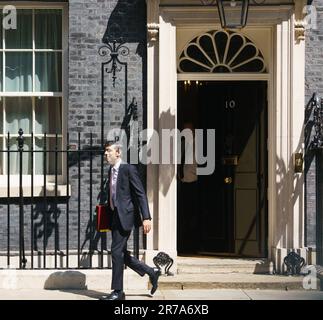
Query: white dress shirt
[(113, 183)]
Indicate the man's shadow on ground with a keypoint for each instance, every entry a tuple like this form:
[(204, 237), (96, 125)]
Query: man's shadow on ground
[(98, 294)]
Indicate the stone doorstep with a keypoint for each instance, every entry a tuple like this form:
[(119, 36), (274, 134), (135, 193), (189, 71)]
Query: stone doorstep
[(232, 281), (232, 285), (200, 265), (216, 260), (189, 269)]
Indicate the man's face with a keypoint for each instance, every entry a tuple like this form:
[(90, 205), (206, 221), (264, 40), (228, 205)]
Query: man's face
[(112, 155)]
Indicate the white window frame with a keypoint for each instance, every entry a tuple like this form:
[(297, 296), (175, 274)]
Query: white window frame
[(38, 180)]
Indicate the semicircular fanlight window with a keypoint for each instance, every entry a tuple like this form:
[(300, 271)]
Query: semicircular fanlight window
[(221, 52)]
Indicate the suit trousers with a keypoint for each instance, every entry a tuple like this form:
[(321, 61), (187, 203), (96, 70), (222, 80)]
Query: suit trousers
[(120, 255)]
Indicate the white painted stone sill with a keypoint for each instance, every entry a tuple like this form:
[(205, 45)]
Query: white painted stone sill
[(38, 186)]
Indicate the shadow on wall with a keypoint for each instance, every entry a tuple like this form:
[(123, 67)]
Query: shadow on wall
[(309, 180), (285, 227), (308, 133), (45, 226), (285, 174), (125, 24), (166, 121)]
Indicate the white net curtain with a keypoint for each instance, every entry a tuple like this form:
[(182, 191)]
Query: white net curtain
[(31, 62)]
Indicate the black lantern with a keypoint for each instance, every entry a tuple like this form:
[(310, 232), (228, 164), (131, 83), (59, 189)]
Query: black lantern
[(233, 13)]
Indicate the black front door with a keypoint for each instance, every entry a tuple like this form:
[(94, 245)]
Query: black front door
[(232, 201)]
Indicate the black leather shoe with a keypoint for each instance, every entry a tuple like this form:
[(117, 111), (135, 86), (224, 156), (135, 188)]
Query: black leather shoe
[(154, 280), (114, 295)]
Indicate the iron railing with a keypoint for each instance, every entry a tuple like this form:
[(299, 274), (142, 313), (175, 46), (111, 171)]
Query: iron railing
[(56, 210)]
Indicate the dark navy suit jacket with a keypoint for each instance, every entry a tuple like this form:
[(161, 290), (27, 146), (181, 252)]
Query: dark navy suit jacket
[(130, 197)]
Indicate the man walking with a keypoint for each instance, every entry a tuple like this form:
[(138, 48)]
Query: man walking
[(125, 191)]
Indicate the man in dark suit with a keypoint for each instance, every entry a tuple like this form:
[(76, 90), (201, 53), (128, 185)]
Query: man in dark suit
[(125, 192)]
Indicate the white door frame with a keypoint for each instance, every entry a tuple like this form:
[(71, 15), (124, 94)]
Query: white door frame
[(285, 123)]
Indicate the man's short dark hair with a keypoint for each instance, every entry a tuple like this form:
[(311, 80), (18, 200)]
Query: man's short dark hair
[(108, 143), (116, 144)]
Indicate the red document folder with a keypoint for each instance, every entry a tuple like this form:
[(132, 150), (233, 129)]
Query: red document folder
[(103, 218)]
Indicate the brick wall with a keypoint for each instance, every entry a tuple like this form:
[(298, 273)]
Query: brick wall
[(90, 22)]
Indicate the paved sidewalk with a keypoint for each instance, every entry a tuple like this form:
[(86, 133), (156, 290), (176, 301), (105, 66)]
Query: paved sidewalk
[(202, 294)]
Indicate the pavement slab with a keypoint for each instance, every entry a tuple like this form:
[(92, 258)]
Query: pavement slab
[(199, 294)]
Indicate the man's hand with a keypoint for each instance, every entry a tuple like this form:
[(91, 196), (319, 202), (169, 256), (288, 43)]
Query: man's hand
[(147, 226)]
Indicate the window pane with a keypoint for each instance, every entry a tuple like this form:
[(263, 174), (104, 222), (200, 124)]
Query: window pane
[(48, 113), (20, 38), (48, 71), (19, 71), (1, 157), (1, 119), (50, 157), (15, 157), (1, 67), (1, 34), (18, 114), (48, 29)]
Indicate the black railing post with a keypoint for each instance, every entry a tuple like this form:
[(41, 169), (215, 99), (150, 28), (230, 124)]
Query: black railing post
[(79, 203), (8, 201), (67, 198), (32, 202), (91, 192), (45, 200), (22, 258), (319, 182), (56, 205)]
